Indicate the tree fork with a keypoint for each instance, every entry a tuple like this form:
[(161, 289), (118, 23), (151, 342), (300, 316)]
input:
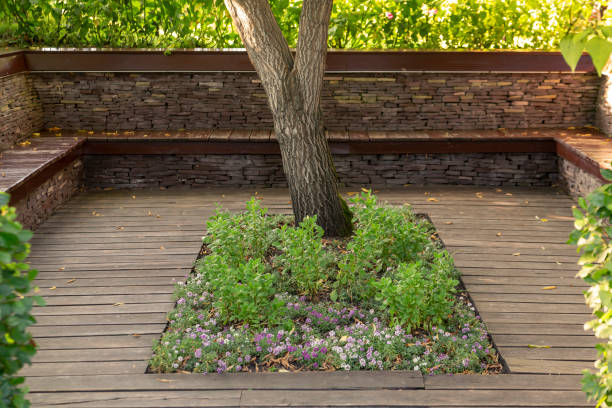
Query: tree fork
[(293, 87)]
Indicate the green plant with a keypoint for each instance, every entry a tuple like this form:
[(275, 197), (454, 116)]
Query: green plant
[(242, 236), (354, 24), (383, 238), (16, 345), (303, 259), (589, 31), (593, 236), (416, 295)]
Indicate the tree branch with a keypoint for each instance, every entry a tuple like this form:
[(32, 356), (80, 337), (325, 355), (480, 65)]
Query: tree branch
[(264, 42), (312, 50)]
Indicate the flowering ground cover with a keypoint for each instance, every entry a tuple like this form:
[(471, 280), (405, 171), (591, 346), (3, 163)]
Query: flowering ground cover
[(268, 295)]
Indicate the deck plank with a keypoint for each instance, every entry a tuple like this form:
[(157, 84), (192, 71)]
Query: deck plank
[(109, 346)]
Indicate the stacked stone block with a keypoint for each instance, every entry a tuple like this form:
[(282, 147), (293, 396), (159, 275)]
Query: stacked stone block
[(392, 170), (20, 110), (365, 101)]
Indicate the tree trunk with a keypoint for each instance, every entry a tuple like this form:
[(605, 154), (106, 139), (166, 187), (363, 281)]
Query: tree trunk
[(294, 88)]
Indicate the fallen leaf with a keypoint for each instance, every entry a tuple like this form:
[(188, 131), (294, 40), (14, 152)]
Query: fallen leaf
[(158, 216), (427, 193), (283, 370), (133, 197), (558, 263), (365, 190), (499, 190), (526, 202), (435, 200), (516, 254), (54, 129), (108, 188), (499, 234), (53, 288), (61, 269), (537, 346), (120, 228), (35, 134), (70, 281), (549, 287), (118, 304), (448, 222), (406, 185), (351, 193), (479, 195), (162, 188), (136, 335), (544, 219), (3, 174), (150, 214), (571, 127), (91, 132), (24, 144), (508, 194), (162, 248), (164, 380)]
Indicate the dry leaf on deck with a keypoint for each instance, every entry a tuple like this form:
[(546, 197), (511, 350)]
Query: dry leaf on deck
[(549, 287), (118, 304), (516, 254), (537, 346), (435, 200), (71, 280), (53, 288)]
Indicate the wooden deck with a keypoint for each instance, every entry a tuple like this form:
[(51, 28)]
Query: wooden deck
[(107, 261)]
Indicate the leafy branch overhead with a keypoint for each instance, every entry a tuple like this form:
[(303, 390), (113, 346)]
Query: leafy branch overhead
[(593, 236), (592, 36), (16, 345)]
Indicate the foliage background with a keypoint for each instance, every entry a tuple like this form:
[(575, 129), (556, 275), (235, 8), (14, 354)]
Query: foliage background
[(381, 24)]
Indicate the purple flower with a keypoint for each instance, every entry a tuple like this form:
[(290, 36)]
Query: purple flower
[(239, 368), (198, 353), (389, 15), (181, 301)]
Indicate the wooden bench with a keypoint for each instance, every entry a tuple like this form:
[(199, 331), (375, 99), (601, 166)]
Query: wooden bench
[(44, 171), (41, 174)]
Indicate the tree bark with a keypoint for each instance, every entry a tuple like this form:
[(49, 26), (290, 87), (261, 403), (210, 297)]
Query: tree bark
[(293, 87)]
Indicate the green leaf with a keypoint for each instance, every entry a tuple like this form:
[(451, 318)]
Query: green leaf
[(571, 49), (599, 49), (607, 174)]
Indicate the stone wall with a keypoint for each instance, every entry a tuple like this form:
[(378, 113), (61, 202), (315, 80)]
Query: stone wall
[(494, 169), (20, 110), (575, 181), (39, 204), (604, 105), (364, 101)]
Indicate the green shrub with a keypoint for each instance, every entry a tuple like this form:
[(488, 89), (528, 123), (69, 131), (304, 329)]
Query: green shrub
[(593, 237), (303, 260), (242, 294), (383, 238), (354, 24), (417, 295), (16, 345), (242, 236)]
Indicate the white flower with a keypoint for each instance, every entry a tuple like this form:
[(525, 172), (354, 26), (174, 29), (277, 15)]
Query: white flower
[(416, 368), (416, 359)]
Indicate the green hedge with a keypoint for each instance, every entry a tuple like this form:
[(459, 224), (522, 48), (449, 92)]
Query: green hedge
[(380, 24), (16, 345), (593, 236)]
